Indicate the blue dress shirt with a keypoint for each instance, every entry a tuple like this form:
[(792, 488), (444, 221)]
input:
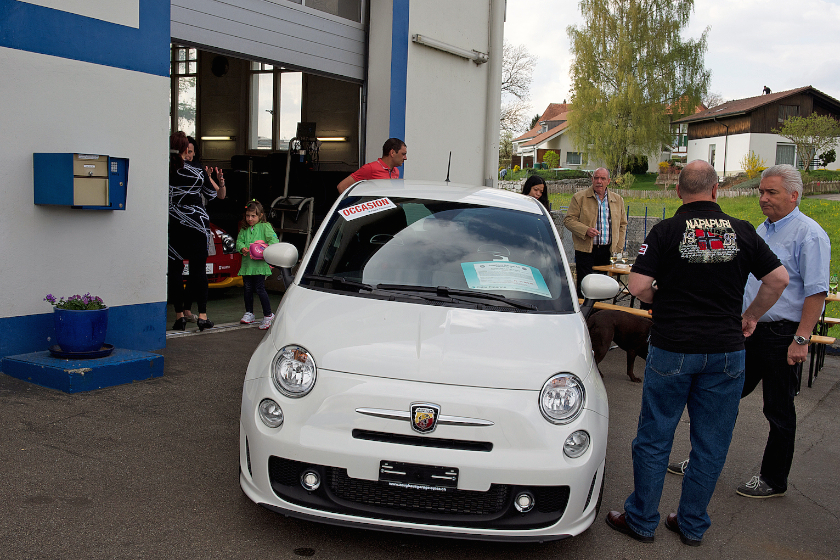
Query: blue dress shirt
[(805, 251)]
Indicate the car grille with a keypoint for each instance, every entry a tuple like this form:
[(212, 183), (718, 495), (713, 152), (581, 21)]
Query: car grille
[(455, 502), (376, 499)]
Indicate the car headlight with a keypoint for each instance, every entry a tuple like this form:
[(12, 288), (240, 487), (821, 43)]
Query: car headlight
[(562, 398), (228, 243), (576, 444), (293, 371)]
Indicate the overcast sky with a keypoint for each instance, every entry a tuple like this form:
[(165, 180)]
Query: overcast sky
[(752, 43)]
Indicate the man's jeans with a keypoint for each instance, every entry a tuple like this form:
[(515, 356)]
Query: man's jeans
[(710, 385)]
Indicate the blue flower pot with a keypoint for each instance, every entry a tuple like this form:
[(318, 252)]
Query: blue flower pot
[(80, 330)]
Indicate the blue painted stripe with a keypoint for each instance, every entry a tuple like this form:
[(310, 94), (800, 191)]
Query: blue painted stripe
[(134, 327), (399, 70), (43, 30)]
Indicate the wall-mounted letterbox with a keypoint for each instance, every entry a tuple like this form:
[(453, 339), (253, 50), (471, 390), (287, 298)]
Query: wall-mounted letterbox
[(89, 181)]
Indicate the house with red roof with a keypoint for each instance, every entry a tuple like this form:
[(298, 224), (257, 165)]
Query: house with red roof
[(724, 134)]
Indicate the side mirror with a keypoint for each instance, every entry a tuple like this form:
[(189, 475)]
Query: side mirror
[(285, 257), (596, 287)]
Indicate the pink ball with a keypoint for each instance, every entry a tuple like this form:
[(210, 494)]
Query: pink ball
[(257, 248)]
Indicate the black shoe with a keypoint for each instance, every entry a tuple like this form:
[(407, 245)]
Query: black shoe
[(204, 324), (180, 324), (672, 525), (618, 522), (678, 468)]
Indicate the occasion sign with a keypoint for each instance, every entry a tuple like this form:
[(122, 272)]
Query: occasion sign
[(366, 208)]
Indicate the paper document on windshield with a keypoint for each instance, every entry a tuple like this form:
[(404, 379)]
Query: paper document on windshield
[(497, 275)]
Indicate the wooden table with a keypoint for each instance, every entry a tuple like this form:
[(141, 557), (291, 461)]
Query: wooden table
[(818, 352)]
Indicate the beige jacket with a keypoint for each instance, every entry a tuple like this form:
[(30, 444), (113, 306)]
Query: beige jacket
[(583, 211)]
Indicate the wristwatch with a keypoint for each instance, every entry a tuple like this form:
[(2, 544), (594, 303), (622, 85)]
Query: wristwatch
[(801, 340)]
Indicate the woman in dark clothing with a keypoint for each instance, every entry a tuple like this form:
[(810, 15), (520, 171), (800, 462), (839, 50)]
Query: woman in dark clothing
[(189, 232), (535, 186)]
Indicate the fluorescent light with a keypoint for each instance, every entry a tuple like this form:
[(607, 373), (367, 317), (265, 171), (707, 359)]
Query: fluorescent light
[(217, 137), (332, 138), (475, 56)]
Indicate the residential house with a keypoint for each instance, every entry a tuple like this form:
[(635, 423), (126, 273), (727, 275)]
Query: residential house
[(725, 134), (549, 134)]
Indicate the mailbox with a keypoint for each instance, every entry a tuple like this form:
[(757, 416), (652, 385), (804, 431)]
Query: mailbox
[(90, 181)]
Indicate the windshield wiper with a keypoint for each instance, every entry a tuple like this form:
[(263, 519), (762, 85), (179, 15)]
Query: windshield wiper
[(444, 291), (338, 281)]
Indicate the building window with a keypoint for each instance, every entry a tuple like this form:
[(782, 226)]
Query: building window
[(183, 99), (786, 111), (275, 106), (348, 9), (573, 158), (785, 153)]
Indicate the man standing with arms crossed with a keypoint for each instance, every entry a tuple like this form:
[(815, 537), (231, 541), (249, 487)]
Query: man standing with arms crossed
[(598, 222), (779, 344), (394, 153), (700, 260)]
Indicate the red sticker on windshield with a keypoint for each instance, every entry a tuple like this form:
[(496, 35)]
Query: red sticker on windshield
[(366, 208)]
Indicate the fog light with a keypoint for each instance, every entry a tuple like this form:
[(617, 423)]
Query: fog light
[(270, 413), (576, 444), (310, 480), (524, 502)]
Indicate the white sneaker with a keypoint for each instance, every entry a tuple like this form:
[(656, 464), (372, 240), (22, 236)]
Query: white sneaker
[(266, 322), (247, 319)]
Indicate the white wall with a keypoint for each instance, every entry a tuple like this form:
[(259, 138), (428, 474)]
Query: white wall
[(447, 97), (53, 104), (737, 146)]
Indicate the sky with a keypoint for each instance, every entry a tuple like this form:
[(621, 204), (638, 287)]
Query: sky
[(751, 43)]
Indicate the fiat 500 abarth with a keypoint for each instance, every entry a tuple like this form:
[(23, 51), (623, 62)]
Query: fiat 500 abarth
[(429, 370)]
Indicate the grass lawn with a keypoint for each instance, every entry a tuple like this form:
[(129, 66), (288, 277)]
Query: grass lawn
[(825, 212)]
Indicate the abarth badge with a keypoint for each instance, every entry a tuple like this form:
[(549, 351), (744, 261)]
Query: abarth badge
[(424, 417)]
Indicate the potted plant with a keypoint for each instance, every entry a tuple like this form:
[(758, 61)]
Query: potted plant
[(80, 322)]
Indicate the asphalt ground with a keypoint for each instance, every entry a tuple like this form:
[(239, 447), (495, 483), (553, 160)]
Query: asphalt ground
[(150, 470)]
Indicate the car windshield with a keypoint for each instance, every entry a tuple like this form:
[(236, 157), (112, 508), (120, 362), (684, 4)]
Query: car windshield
[(441, 252)]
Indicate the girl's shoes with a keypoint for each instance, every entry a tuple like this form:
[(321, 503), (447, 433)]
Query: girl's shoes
[(266, 322), (204, 324), (248, 318), (180, 324)]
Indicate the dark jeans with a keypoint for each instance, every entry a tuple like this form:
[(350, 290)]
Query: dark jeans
[(256, 284), (767, 362), (584, 262), (191, 244)]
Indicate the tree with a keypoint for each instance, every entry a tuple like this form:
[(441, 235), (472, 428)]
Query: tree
[(712, 99), (517, 73), (811, 135), (552, 159), (505, 149), (828, 157), (534, 120), (632, 74)]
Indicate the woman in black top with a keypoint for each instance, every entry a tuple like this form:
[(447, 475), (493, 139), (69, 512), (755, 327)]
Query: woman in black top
[(189, 232), (535, 186)]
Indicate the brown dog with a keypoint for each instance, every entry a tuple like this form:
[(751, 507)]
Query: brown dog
[(629, 331)]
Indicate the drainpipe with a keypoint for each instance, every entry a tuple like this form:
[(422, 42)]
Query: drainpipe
[(725, 144), (494, 91)]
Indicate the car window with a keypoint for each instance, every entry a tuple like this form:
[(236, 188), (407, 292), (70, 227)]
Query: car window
[(405, 242)]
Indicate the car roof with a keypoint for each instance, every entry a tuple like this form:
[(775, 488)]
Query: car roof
[(451, 192)]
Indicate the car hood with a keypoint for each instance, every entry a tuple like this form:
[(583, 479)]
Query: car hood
[(430, 343)]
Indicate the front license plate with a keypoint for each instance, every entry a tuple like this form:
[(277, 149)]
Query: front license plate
[(418, 477)]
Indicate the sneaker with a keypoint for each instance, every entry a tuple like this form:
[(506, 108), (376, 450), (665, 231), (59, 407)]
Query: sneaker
[(247, 319), (757, 488), (678, 468), (266, 322)]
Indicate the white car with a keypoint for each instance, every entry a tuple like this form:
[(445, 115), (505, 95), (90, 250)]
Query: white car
[(429, 370)]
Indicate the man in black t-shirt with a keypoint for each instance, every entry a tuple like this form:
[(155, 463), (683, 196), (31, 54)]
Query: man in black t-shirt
[(693, 269)]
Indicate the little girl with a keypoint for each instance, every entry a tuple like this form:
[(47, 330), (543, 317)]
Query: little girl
[(254, 227)]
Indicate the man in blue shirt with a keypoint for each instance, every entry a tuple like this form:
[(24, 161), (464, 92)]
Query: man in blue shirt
[(779, 345)]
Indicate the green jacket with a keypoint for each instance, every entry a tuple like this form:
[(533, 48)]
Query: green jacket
[(260, 230)]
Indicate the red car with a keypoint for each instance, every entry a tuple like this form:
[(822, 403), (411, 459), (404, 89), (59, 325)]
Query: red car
[(223, 263)]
